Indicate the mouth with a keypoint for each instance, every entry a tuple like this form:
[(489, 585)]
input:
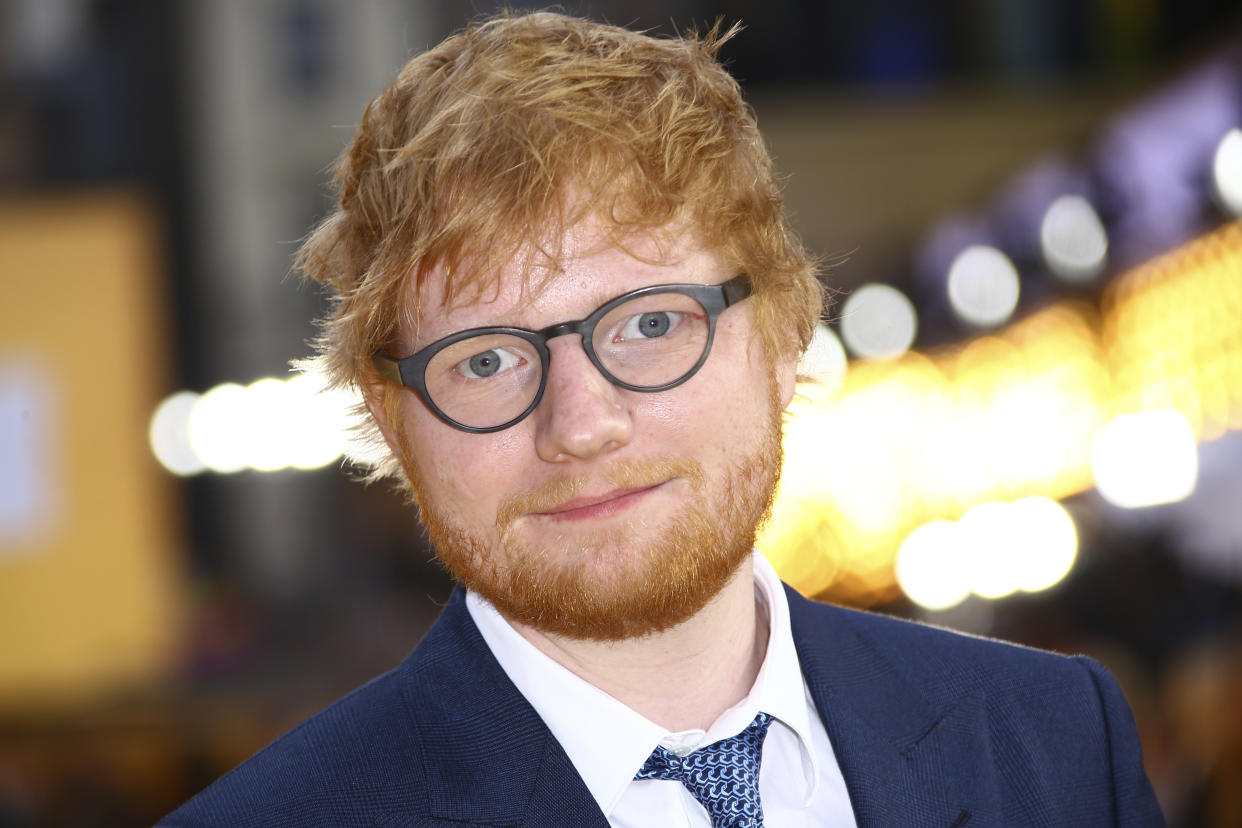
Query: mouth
[(585, 507)]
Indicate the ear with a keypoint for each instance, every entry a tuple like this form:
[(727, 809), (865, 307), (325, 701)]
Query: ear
[(786, 368), (384, 405)]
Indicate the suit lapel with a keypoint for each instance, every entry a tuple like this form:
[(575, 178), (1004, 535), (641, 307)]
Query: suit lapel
[(487, 756), (887, 737)]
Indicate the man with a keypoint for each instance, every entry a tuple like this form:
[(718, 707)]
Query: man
[(567, 291)]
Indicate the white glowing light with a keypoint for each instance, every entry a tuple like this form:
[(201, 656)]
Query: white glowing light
[(1047, 542), (993, 550), (930, 567), (169, 434), (1227, 171), (824, 359), (217, 428), (986, 536), (269, 425), (983, 286), (878, 322), (1073, 239), (267, 440), (318, 423), (1145, 459)]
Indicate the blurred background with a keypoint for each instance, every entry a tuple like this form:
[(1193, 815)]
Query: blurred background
[(1026, 420)]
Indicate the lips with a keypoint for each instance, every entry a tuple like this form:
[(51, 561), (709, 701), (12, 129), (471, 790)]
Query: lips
[(590, 506)]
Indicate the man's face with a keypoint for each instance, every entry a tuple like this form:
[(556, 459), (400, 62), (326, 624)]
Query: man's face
[(607, 513)]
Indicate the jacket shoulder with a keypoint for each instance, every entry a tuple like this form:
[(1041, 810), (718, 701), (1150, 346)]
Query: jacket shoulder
[(333, 769), (1050, 736), (922, 651)]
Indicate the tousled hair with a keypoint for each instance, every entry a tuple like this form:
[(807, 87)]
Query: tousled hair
[(496, 141)]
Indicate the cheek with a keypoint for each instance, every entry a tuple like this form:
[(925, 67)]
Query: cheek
[(463, 472), (663, 410), (700, 418)]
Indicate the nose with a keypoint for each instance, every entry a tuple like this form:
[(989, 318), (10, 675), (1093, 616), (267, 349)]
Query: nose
[(582, 415)]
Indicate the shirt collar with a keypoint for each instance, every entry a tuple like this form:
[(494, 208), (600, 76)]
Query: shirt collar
[(582, 717), (780, 688)]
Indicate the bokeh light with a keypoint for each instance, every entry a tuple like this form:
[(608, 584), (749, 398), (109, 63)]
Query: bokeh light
[(824, 359), (1145, 459), (264, 443), (169, 434), (878, 322), (990, 557), (269, 425), (983, 286), (930, 566), (319, 425), (1046, 540), (1227, 172), (1073, 240), (1002, 418), (994, 550), (217, 428)]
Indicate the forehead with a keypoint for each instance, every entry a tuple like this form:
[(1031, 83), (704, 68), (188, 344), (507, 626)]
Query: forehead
[(535, 289)]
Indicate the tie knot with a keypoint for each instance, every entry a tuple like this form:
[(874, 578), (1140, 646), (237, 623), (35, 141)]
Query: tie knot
[(723, 776)]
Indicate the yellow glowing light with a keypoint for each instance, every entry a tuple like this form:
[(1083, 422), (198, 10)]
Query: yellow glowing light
[(1145, 459), (994, 550), (926, 437), (931, 566), (1046, 540), (989, 558), (824, 360)]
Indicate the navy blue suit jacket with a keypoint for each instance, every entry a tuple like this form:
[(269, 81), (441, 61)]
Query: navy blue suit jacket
[(930, 728)]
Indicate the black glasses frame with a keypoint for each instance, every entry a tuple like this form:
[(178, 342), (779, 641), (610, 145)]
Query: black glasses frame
[(411, 371)]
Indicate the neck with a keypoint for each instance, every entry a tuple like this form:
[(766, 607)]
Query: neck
[(718, 652)]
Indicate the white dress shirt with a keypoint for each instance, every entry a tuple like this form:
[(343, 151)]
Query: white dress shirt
[(800, 783)]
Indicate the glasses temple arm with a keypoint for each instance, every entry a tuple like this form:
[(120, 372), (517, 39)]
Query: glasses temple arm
[(387, 368), (736, 289)]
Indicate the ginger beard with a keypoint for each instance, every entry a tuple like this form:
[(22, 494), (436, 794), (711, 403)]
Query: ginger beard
[(596, 584)]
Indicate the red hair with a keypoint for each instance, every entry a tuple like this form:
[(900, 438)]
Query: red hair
[(504, 135)]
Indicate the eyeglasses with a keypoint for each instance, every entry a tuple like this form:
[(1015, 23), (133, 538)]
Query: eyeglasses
[(488, 379)]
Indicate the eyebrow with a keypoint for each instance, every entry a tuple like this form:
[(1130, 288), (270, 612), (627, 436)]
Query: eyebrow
[(600, 298)]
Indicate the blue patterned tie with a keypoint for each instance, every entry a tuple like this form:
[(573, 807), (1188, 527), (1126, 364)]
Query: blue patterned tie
[(723, 777)]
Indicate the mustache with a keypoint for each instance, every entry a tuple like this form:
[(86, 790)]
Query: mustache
[(625, 474)]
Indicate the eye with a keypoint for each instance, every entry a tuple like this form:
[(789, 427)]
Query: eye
[(651, 325), (488, 363)]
